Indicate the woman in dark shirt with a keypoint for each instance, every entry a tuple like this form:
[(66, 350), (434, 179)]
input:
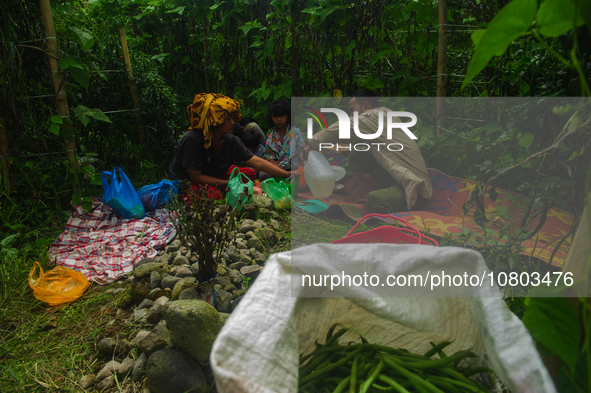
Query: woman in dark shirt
[(206, 153)]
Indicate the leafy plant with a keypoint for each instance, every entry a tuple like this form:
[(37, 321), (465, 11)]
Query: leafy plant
[(204, 226)]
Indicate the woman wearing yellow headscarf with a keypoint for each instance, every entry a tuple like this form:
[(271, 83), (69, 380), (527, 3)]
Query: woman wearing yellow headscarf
[(207, 150)]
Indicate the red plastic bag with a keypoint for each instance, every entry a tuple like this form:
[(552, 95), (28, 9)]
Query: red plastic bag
[(57, 286)]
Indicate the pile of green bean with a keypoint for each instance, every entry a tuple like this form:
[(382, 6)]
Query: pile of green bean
[(365, 368)]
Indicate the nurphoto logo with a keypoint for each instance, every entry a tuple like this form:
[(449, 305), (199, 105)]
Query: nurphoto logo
[(345, 129)]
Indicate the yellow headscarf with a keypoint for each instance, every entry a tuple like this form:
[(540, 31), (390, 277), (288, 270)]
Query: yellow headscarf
[(211, 110)]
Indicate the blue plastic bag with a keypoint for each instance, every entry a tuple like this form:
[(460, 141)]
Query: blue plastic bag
[(118, 193), (154, 196)]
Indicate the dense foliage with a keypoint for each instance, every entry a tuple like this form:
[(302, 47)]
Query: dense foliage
[(256, 51)]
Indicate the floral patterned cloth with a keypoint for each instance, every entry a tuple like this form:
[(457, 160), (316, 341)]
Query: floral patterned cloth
[(286, 154)]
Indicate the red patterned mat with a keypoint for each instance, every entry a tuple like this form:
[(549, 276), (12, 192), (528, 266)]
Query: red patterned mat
[(444, 215)]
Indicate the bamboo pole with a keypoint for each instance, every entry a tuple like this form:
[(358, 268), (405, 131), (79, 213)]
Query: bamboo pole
[(8, 184), (58, 80), (295, 72), (578, 260), (136, 106), (441, 65), (205, 55)]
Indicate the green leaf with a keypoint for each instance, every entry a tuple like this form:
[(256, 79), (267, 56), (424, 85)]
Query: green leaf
[(64, 63), (268, 49), (86, 206), (265, 94), (177, 10), (576, 154), (556, 17), (76, 198), (66, 133), (8, 240), (84, 114), (312, 10), (526, 140), (215, 6), (81, 76), (554, 323), (57, 119), (327, 11), (477, 35), (97, 179), (508, 25), (349, 48), (585, 10), (160, 57), (256, 44), (375, 58), (55, 129), (85, 39)]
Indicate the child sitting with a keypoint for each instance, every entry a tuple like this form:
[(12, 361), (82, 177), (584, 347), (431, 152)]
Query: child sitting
[(285, 144)]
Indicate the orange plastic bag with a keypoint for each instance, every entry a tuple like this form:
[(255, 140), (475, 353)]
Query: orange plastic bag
[(58, 285)]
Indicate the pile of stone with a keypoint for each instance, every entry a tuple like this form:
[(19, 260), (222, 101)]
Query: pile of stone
[(179, 317), (172, 356)]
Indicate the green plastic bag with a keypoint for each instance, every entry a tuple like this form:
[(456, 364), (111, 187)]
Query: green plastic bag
[(235, 196), (278, 192)]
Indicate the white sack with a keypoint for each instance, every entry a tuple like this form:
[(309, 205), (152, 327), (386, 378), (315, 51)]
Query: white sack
[(258, 348)]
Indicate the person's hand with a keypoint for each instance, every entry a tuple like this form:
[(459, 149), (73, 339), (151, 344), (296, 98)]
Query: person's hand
[(294, 173), (305, 152)]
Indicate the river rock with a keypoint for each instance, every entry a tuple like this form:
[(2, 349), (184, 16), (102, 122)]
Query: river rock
[(172, 371), (143, 261), (241, 245), (263, 202), (126, 367), (107, 383), (255, 243), (251, 271), (247, 225), (259, 258), (107, 346), (156, 293), (223, 300), (139, 368), (194, 326), (250, 210), (146, 303), (155, 312), (108, 369), (184, 272), (86, 381), (237, 265), (182, 284), (268, 234), (180, 260), (236, 277), (139, 337), (155, 279), (233, 253), (173, 247), (159, 338), (222, 280), (146, 269), (169, 281), (246, 259)]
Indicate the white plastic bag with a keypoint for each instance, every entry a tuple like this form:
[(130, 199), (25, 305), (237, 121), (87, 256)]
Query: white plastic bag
[(258, 348)]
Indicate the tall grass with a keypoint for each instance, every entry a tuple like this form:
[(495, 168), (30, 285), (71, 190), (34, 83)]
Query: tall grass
[(46, 348)]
